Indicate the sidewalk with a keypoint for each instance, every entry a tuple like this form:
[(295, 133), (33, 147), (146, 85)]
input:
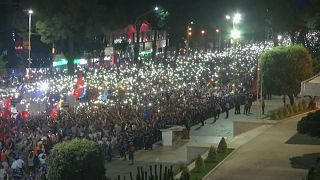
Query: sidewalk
[(279, 153), (210, 133)]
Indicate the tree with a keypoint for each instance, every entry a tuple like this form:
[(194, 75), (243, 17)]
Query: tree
[(222, 147), (71, 25), (3, 70), (76, 159), (313, 16), (310, 124), (199, 164), (212, 154), (283, 69), (316, 63)]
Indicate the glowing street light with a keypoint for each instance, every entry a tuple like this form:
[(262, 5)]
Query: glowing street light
[(235, 34), (156, 8), (203, 32), (279, 37), (228, 17), (236, 18)]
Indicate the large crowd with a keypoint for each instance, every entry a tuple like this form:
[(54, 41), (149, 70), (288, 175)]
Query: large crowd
[(122, 106)]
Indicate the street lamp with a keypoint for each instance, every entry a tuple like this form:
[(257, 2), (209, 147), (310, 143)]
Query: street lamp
[(236, 18), (189, 34), (219, 38), (30, 12)]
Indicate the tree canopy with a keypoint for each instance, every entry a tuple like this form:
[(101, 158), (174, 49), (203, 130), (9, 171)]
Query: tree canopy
[(3, 63), (74, 25), (76, 159), (283, 69)]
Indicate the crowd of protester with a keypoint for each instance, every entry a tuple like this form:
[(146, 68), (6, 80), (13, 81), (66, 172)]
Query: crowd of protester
[(123, 108)]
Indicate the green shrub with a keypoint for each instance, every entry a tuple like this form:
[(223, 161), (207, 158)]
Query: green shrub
[(314, 128), (185, 174), (76, 159), (199, 166), (310, 124), (296, 108), (212, 154), (300, 106), (285, 111), (304, 104), (290, 110), (314, 172), (273, 115), (303, 126), (280, 113), (222, 147)]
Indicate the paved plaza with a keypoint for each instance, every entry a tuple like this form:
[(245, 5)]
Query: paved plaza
[(279, 153), (263, 149)]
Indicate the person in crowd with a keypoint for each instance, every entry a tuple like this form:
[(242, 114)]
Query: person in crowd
[(246, 107), (131, 152), (227, 107), (31, 164), (263, 105), (17, 168)]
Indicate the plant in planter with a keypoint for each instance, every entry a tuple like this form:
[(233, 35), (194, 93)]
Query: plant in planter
[(212, 154), (199, 166), (222, 147), (185, 174)]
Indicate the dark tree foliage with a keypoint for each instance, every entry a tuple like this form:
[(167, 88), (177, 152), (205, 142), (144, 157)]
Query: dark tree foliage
[(310, 124), (3, 63), (283, 69), (74, 26), (76, 159)]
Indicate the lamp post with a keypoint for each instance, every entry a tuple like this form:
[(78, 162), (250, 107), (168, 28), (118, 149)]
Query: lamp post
[(30, 12), (189, 34), (234, 35), (236, 18), (218, 31)]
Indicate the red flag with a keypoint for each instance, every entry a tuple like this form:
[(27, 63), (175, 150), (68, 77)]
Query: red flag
[(25, 115), (7, 106), (53, 113), (79, 87)]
